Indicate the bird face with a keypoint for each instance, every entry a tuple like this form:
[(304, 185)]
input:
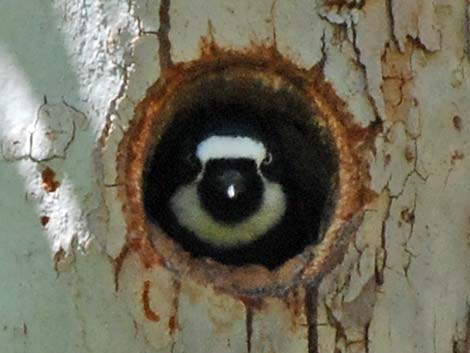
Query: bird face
[(235, 197)]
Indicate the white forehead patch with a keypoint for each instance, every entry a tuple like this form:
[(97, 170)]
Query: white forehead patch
[(217, 147)]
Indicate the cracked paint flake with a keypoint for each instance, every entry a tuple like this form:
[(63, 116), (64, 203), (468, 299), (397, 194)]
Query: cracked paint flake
[(234, 25), (209, 320), (392, 161), (147, 12), (415, 19), (342, 69), (54, 131), (373, 18), (280, 328), (397, 82), (289, 19)]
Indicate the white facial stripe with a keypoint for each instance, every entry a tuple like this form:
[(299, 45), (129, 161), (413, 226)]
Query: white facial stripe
[(216, 147), (187, 208)]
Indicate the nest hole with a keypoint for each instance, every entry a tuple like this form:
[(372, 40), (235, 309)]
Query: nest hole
[(277, 113)]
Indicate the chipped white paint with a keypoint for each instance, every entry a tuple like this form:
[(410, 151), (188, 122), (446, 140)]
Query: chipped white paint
[(54, 131), (75, 66), (233, 24), (415, 19), (299, 30), (279, 328), (209, 321)]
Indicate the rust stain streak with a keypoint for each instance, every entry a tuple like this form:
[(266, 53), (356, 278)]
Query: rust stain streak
[(149, 313), (457, 122), (118, 265), (173, 323), (397, 81), (467, 30), (249, 327), (466, 342), (311, 295), (164, 49)]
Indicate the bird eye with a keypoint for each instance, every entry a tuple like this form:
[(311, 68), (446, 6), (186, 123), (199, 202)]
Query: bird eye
[(191, 159), (268, 159)]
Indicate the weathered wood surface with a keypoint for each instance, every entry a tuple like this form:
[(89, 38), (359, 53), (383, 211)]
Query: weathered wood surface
[(71, 74)]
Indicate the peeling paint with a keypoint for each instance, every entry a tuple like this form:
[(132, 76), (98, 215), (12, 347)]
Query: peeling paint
[(415, 19), (54, 131), (397, 82)]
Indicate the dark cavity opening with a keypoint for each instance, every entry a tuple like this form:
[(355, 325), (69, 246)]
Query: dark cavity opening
[(304, 162)]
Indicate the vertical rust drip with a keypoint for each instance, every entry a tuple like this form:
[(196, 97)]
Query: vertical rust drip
[(467, 30), (173, 322), (466, 342), (249, 327), (164, 50), (118, 265), (149, 313), (366, 338), (311, 296)]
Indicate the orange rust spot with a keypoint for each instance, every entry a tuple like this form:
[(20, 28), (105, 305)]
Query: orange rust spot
[(118, 265), (387, 159), (295, 302), (409, 154), (149, 313), (58, 258), (44, 220), (252, 302), (397, 78), (148, 255), (407, 215), (457, 121), (457, 156), (48, 180), (173, 324)]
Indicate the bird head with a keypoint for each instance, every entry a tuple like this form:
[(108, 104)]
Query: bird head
[(235, 195)]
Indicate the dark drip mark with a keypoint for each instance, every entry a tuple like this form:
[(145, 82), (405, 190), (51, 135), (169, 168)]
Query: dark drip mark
[(311, 296), (164, 50), (249, 327)]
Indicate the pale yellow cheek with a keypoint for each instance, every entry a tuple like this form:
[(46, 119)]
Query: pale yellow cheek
[(187, 208)]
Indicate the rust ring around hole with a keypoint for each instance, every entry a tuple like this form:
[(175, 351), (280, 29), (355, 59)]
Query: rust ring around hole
[(152, 117)]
